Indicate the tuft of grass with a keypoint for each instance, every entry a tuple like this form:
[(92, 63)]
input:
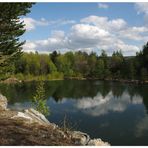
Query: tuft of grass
[(66, 125)]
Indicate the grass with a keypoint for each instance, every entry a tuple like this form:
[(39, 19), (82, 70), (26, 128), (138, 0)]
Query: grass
[(66, 125)]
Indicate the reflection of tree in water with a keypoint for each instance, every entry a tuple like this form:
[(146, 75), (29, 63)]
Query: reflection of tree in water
[(140, 90), (74, 89), (145, 101), (104, 89), (117, 89), (143, 91), (18, 92), (132, 90)]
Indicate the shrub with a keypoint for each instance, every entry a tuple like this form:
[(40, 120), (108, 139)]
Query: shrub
[(39, 101)]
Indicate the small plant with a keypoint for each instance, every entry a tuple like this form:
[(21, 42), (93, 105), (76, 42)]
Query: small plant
[(39, 101), (67, 126)]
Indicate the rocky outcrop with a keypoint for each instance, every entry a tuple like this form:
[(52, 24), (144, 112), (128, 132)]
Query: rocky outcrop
[(16, 125), (31, 115), (80, 138), (3, 102), (84, 139), (97, 142)]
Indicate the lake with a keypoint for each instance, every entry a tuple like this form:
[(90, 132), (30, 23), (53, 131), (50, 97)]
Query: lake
[(113, 111)]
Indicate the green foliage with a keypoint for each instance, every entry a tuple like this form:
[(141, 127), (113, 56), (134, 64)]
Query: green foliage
[(144, 74), (39, 99), (142, 62), (55, 76), (11, 28), (116, 64), (99, 71)]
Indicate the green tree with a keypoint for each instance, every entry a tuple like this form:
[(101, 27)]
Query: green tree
[(53, 56), (106, 71), (132, 70), (92, 61), (116, 64), (142, 58), (81, 63), (145, 56), (11, 28), (99, 70), (144, 74)]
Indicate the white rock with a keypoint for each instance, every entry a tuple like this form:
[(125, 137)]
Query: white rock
[(21, 115), (97, 142), (35, 115), (3, 102), (80, 138)]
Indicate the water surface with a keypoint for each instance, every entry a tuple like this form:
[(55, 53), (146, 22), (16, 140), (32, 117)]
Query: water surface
[(115, 112)]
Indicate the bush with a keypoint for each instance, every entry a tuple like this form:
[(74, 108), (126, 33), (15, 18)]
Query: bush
[(20, 76), (55, 75), (39, 101)]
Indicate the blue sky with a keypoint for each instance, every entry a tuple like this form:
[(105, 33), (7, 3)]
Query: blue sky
[(87, 27)]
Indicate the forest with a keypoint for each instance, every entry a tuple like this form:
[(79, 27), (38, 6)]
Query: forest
[(80, 65)]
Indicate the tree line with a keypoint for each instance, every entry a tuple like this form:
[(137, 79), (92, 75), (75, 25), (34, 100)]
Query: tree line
[(82, 65)]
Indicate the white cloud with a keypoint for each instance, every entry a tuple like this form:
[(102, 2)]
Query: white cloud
[(30, 23), (135, 33), (60, 22), (117, 24), (86, 36), (65, 22), (104, 6), (142, 7), (58, 34), (29, 47), (56, 41), (105, 23), (93, 33)]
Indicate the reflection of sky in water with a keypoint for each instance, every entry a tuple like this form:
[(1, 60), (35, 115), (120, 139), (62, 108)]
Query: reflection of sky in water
[(102, 114), (113, 118), (142, 127), (100, 105)]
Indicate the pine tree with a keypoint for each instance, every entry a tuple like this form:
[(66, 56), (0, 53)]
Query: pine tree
[(11, 28)]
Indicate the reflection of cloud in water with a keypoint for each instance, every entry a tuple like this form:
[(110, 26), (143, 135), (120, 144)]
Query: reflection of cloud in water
[(137, 100), (100, 105), (142, 127)]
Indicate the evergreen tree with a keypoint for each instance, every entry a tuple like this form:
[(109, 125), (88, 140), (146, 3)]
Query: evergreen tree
[(11, 28)]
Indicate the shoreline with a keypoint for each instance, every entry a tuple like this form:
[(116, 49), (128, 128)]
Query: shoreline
[(14, 80), (30, 127)]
